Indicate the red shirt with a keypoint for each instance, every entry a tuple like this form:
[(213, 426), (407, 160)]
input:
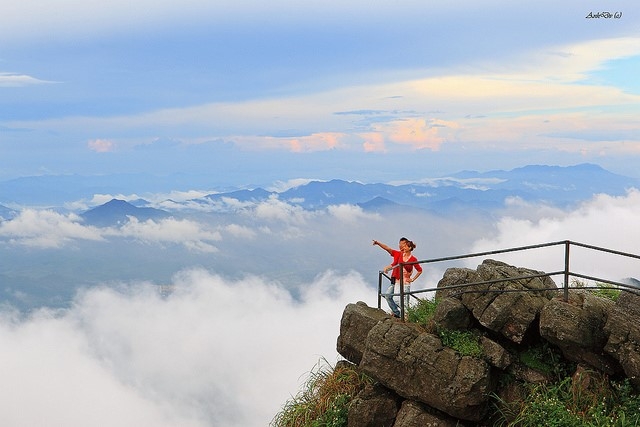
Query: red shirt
[(397, 259)]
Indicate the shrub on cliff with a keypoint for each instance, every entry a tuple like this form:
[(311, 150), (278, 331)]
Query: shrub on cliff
[(574, 402), (324, 400), (464, 342)]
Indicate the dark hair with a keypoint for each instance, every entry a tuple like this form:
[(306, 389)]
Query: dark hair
[(409, 242)]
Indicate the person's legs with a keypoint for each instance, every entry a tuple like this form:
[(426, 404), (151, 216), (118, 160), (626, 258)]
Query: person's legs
[(389, 297), (407, 289)]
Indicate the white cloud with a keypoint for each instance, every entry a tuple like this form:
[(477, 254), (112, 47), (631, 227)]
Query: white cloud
[(414, 132), (281, 186), (211, 353), (50, 366), (19, 80), (240, 231), (46, 229), (180, 196), (101, 145), (180, 231), (519, 103), (173, 200), (605, 221), (349, 213), (276, 210)]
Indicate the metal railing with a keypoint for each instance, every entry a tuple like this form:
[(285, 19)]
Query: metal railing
[(566, 273)]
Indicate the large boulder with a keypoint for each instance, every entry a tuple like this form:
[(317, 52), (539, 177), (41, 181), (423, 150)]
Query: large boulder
[(500, 306), (576, 327), (374, 406), (452, 315), (415, 414), (357, 320), (495, 354), (416, 365), (623, 330)]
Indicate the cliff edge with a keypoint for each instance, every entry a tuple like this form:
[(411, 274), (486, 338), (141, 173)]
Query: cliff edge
[(420, 381)]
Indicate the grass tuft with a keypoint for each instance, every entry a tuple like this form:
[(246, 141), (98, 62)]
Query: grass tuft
[(574, 402), (325, 398), (466, 343), (422, 312)]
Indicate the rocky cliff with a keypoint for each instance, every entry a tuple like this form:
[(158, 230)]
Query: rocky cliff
[(419, 381)]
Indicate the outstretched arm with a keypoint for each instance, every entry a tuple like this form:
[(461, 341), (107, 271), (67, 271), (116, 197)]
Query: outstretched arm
[(383, 246)]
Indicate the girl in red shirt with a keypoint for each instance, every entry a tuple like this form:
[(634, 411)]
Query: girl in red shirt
[(403, 255)]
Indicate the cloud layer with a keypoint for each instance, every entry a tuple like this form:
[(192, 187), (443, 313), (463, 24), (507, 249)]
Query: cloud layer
[(214, 352), (229, 347), (605, 221)]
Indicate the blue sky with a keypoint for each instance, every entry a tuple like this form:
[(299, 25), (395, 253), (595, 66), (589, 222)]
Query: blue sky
[(254, 92)]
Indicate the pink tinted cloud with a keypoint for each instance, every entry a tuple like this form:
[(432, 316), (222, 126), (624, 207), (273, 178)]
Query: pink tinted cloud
[(308, 143), (315, 142), (415, 132), (373, 142), (101, 145)]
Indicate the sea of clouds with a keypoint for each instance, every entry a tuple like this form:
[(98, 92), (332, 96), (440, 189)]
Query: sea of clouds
[(228, 347), (214, 352)]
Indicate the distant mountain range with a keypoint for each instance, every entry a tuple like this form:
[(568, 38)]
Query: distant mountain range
[(117, 212), (7, 213), (462, 192), (559, 186)]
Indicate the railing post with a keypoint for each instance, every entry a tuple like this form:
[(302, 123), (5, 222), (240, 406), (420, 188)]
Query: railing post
[(566, 270), (402, 291), (379, 289)]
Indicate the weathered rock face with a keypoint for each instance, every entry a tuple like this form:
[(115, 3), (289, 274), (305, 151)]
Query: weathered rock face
[(421, 382), (501, 307), (623, 331), (357, 321), (375, 406), (577, 329), (451, 314), (414, 414), (415, 365), (418, 367)]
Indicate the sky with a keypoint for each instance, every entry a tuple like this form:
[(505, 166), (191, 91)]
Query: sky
[(250, 92)]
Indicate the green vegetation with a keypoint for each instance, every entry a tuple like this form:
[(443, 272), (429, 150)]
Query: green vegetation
[(568, 399), (546, 359), (608, 291), (325, 399), (465, 343), (604, 290), (422, 312), (590, 400), (595, 401)]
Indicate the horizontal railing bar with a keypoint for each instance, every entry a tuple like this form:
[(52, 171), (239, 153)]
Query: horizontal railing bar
[(565, 286), (504, 291), (506, 279), (486, 282), (611, 251), (477, 254), (597, 279)]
